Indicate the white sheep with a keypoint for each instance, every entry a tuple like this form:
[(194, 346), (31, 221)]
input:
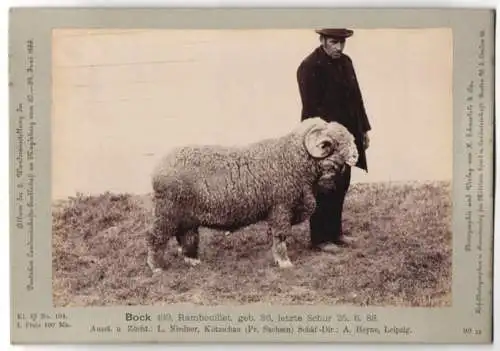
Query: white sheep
[(227, 188)]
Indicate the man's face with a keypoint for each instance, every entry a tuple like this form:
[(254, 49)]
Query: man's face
[(333, 46)]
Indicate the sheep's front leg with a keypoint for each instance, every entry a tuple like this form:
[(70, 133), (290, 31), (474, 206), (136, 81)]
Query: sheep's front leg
[(280, 226), (309, 201)]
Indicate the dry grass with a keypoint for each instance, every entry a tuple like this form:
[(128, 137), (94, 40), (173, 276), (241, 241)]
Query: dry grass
[(402, 258)]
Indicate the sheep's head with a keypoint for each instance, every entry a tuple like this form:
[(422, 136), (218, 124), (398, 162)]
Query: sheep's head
[(332, 146)]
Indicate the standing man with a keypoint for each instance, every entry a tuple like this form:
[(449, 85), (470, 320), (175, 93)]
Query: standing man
[(329, 89)]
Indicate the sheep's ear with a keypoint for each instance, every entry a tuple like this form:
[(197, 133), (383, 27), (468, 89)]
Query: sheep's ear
[(353, 159), (318, 144)]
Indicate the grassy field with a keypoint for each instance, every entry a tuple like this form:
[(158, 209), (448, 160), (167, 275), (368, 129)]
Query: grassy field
[(402, 255)]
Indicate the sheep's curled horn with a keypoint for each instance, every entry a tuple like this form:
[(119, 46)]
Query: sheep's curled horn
[(318, 143)]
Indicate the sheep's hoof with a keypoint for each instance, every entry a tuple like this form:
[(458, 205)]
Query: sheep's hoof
[(192, 261), (285, 263)]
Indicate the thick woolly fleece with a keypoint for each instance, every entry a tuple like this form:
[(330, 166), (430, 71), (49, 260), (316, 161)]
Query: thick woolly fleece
[(229, 188)]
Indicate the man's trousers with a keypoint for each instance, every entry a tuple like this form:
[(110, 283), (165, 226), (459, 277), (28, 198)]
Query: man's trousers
[(326, 221)]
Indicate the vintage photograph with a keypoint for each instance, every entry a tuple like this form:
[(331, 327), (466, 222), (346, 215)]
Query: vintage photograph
[(212, 167)]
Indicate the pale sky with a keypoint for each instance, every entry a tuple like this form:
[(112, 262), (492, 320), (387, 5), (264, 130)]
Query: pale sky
[(123, 98)]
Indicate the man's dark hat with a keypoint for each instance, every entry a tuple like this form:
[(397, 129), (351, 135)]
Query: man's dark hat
[(340, 33)]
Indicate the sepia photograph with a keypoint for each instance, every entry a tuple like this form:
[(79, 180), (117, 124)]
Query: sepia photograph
[(224, 167)]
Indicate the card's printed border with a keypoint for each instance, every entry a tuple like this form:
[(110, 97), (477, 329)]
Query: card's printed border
[(30, 97)]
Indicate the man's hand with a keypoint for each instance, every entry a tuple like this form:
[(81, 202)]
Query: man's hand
[(366, 141)]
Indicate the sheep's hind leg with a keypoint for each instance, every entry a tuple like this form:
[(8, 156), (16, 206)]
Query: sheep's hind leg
[(190, 242), (156, 242), (158, 237)]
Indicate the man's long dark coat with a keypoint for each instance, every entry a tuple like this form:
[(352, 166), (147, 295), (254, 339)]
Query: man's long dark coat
[(329, 89)]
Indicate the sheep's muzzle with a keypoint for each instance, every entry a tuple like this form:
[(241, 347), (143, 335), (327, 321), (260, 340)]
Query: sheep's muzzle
[(330, 173)]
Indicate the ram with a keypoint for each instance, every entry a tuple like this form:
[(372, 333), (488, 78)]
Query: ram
[(227, 188)]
